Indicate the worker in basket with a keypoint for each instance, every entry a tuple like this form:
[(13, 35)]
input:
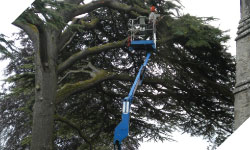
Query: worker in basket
[(152, 21), (147, 27)]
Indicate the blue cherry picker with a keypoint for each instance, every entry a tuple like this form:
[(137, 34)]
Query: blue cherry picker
[(139, 30)]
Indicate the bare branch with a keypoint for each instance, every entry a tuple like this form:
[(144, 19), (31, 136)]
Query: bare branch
[(92, 73), (75, 71), (69, 89), (89, 51), (91, 66)]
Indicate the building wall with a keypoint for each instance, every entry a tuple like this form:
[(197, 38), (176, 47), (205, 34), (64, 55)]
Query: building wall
[(242, 90)]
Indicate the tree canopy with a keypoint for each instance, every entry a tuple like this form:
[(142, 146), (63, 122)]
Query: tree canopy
[(187, 87)]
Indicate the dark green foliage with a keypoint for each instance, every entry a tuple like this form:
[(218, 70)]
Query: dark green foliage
[(187, 86), (204, 75), (5, 47), (16, 104)]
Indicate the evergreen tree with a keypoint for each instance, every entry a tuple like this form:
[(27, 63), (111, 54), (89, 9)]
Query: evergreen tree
[(71, 75)]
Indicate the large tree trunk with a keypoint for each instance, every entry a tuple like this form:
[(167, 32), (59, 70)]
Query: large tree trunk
[(46, 86), (242, 90)]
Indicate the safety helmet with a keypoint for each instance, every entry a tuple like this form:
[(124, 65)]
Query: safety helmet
[(152, 9)]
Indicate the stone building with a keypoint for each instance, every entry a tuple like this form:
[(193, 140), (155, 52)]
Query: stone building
[(242, 88)]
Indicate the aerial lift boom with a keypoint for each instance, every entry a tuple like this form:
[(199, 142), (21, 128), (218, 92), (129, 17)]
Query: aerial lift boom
[(139, 41)]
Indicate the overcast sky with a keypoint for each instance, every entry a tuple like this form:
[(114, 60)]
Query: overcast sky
[(227, 11)]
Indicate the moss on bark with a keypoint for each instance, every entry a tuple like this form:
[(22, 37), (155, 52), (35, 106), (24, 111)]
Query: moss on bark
[(69, 89)]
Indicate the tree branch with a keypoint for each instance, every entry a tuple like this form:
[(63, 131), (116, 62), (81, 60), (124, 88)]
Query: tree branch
[(82, 9), (90, 66), (30, 29), (74, 71), (75, 127), (73, 1), (70, 32), (126, 8), (69, 89), (89, 51), (126, 77), (100, 76), (69, 15)]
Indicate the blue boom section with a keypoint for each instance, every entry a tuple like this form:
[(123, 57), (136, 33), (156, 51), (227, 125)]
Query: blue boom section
[(122, 129), (147, 45)]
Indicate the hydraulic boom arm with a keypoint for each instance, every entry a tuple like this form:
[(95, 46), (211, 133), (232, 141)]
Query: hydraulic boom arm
[(139, 41), (122, 129)]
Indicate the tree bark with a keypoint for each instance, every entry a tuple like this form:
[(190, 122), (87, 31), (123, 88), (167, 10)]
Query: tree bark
[(46, 86)]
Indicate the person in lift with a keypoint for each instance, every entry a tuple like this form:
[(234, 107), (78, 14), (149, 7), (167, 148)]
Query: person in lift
[(152, 21), (152, 16)]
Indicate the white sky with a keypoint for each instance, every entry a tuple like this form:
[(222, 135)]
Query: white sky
[(227, 11), (9, 10)]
